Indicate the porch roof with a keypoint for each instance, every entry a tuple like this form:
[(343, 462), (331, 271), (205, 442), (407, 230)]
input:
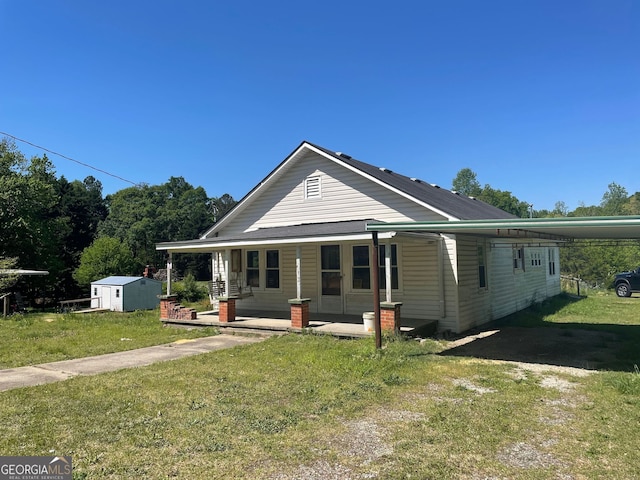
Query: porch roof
[(290, 234)]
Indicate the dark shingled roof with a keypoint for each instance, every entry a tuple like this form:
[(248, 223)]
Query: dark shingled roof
[(454, 204)]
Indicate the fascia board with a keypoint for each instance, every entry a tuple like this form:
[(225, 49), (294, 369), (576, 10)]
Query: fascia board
[(186, 248)]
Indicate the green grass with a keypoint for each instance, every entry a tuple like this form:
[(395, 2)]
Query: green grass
[(37, 338), (309, 406)]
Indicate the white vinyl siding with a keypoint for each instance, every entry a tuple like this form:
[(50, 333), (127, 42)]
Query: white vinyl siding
[(346, 195), (474, 301)]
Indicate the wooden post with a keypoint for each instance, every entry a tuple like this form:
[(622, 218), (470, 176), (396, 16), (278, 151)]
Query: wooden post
[(169, 267), (376, 289), (298, 273)]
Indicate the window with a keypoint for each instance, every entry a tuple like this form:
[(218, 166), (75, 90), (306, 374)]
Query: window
[(552, 261), (253, 268), (482, 268), (536, 259), (518, 258), (361, 276), (312, 188), (394, 266), (95, 291), (273, 269), (117, 293)]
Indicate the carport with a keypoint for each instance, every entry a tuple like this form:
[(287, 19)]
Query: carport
[(561, 229)]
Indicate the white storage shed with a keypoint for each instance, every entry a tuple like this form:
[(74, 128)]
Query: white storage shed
[(125, 294)]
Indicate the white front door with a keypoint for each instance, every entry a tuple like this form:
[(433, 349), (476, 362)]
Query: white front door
[(331, 300)]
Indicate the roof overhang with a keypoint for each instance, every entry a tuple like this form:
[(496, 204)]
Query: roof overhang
[(565, 228), (348, 231)]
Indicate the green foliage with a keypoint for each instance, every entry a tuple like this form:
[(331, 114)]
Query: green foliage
[(105, 257), (145, 215), (7, 280), (189, 290), (466, 183)]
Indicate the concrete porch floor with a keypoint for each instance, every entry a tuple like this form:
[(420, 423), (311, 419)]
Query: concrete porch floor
[(273, 322)]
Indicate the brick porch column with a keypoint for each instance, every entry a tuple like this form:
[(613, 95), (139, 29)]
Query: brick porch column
[(299, 312), (227, 311), (166, 302), (390, 316)]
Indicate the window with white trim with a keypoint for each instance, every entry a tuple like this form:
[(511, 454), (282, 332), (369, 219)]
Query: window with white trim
[(361, 273), (312, 188), (518, 258), (482, 268), (253, 268), (273, 268), (536, 259), (552, 261)]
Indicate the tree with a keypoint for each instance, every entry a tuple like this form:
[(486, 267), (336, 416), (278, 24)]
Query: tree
[(614, 200), (144, 215), (504, 200), (466, 183), (106, 256)]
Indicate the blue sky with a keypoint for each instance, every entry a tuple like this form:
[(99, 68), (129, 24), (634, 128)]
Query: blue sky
[(540, 98)]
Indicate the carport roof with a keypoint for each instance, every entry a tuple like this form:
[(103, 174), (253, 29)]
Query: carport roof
[(565, 228)]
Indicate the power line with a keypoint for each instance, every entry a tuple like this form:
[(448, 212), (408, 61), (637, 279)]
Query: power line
[(68, 158)]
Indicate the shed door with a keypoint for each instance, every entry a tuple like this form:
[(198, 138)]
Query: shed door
[(331, 279), (106, 297)]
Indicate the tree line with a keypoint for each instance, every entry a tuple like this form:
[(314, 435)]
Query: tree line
[(71, 230)]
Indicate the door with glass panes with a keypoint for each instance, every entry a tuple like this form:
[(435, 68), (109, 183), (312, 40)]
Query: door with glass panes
[(331, 300)]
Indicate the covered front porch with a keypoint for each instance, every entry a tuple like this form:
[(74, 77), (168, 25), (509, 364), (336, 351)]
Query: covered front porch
[(276, 322)]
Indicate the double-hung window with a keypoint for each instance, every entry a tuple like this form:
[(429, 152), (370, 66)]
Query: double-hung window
[(253, 268), (482, 268), (270, 270), (273, 268), (361, 274)]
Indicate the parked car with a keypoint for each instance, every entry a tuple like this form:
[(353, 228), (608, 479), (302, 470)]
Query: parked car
[(627, 283)]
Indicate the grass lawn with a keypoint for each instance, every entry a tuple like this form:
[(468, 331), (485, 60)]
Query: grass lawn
[(313, 407), (37, 338)]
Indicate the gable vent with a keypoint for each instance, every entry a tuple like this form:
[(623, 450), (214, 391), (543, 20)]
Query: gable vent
[(312, 187), (385, 170)]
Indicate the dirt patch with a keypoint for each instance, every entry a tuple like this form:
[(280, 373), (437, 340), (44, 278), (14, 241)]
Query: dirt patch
[(580, 349)]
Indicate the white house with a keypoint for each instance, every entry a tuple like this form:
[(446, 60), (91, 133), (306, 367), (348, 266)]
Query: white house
[(125, 294), (301, 233)]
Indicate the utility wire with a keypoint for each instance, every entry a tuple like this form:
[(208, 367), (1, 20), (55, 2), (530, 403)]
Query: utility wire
[(68, 158)]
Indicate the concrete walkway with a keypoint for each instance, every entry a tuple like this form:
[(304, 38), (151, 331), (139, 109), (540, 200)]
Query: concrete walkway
[(57, 371)]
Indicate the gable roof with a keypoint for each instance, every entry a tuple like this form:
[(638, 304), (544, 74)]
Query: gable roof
[(455, 204), (450, 205)]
